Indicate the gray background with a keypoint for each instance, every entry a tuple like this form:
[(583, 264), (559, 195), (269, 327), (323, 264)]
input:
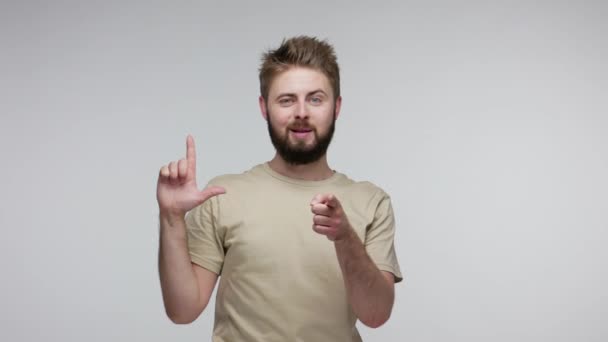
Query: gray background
[(485, 121)]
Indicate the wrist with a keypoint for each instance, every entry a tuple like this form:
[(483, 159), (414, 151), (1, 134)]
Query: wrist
[(348, 236), (171, 213), (171, 217)]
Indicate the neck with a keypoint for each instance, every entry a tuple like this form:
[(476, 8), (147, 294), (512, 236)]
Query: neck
[(315, 171)]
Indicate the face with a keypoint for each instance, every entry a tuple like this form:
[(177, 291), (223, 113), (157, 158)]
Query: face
[(301, 114)]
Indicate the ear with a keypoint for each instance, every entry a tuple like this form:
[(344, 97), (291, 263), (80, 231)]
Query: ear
[(263, 107), (338, 106)]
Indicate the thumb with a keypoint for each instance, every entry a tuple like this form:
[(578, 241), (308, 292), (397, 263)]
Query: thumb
[(328, 199), (211, 191), (318, 199), (332, 201)]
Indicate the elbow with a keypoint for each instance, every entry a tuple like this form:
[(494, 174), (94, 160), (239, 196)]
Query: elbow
[(183, 314), (180, 318), (376, 321)]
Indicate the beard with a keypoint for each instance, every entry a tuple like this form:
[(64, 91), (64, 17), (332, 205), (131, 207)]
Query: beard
[(298, 153)]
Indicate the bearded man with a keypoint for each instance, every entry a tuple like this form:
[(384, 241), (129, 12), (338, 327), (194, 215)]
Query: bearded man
[(301, 251)]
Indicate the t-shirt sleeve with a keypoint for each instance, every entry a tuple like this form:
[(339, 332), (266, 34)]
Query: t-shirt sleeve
[(205, 243), (379, 238)]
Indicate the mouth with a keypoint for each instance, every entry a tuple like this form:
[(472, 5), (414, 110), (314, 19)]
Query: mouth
[(300, 132)]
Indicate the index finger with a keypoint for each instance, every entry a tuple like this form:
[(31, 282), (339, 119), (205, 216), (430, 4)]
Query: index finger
[(190, 153), (329, 200), (332, 202)]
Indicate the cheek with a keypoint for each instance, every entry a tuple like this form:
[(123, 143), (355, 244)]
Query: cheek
[(278, 119), (324, 120)]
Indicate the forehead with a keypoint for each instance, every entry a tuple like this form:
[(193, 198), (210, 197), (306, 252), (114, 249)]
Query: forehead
[(299, 80)]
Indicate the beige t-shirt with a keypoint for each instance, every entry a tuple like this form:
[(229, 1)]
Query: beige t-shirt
[(280, 280)]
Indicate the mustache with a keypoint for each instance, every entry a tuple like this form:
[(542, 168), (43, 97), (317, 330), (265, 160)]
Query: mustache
[(300, 126)]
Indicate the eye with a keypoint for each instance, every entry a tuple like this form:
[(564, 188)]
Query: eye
[(316, 100), (285, 101)]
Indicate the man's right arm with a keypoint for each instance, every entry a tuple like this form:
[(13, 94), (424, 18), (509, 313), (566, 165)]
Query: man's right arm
[(186, 287)]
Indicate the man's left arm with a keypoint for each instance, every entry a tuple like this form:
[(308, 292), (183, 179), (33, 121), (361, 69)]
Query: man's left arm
[(370, 291)]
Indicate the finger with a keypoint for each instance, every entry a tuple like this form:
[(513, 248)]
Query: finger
[(322, 221), (323, 230), (332, 201), (328, 199), (330, 222), (191, 155), (317, 199), (211, 191), (173, 172), (321, 209), (163, 174), (182, 168)]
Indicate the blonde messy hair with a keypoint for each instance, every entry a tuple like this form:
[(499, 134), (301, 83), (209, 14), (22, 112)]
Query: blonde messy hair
[(300, 51)]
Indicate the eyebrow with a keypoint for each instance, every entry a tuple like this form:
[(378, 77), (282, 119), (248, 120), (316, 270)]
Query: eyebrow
[(317, 91), (295, 95)]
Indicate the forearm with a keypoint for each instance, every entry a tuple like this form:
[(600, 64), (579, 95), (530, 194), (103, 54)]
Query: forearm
[(370, 294), (178, 281)]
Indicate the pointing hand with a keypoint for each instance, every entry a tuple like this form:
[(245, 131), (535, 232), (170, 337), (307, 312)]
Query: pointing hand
[(329, 218)]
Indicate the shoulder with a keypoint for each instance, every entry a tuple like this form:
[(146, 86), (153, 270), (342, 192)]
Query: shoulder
[(368, 188), (364, 189), (364, 194), (236, 180)]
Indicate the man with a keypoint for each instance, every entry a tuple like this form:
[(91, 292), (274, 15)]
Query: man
[(302, 251)]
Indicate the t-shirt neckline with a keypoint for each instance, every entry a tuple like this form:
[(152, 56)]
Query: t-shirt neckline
[(309, 183)]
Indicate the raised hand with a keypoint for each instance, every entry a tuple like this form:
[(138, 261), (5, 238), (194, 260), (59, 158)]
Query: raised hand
[(177, 192), (329, 218)]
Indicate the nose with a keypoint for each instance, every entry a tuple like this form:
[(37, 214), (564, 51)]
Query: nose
[(301, 110)]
